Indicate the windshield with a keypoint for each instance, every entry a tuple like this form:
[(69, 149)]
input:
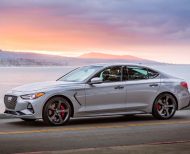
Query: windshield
[(80, 74)]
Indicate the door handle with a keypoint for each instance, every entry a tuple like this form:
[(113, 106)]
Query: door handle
[(153, 85), (119, 87)]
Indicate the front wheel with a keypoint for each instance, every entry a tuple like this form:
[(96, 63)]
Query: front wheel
[(57, 111), (164, 107)]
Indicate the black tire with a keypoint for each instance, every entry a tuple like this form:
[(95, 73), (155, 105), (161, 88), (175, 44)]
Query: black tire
[(57, 111), (164, 107), (28, 120)]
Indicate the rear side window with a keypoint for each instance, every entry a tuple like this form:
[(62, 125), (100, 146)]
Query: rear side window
[(137, 73), (152, 74)]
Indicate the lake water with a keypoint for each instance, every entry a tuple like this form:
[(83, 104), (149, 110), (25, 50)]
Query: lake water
[(11, 77)]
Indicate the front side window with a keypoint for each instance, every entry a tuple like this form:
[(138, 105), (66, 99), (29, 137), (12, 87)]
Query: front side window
[(80, 74), (111, 74)]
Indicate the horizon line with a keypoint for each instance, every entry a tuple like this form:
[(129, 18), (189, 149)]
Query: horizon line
[(77, 55)]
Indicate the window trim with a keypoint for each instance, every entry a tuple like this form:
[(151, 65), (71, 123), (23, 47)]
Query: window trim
[(122, 66)]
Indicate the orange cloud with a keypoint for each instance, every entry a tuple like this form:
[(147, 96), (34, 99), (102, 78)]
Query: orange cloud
[(72, 29)]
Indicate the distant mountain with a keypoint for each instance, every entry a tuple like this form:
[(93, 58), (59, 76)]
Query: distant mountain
[(8, 58), (96, 55)]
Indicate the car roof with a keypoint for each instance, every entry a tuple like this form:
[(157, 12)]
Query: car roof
[(104, 65), (118, 64)]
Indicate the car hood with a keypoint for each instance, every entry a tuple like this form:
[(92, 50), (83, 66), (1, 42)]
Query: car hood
[(40, 86)]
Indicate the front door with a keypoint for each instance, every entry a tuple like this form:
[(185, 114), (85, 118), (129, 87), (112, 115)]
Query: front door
[(109, 96)]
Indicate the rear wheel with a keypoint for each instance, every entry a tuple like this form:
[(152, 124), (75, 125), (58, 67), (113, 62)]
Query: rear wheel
[(164, 107), (57, 111)]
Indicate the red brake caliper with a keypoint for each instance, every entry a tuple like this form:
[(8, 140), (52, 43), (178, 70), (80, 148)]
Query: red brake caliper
[(62, 111), (159, 107)]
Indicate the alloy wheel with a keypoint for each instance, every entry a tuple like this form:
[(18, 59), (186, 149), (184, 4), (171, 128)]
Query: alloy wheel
[(57, 111), (165, 106)]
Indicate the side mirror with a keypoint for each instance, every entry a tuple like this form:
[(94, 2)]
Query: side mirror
[(96, 80)]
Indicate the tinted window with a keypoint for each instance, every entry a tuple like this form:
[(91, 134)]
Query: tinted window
[(152, 74), (137, 73), (111, 74)]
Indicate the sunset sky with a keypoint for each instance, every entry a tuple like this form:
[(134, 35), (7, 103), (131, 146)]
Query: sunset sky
[(152, 29)]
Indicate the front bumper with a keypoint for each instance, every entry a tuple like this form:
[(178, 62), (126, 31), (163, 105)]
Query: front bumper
[(30, 109), (18, 114)]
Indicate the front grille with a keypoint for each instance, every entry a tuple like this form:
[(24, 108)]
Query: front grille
[(10, 101)]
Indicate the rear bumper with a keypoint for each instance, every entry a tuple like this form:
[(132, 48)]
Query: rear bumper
[(183, 99), (186, 107)]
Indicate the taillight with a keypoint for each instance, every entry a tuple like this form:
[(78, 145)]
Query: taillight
[(184, 85)]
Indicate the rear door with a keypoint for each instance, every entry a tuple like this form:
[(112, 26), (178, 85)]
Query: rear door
[(142, 86)]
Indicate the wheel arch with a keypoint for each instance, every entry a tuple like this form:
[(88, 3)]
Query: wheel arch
[(69, 101)]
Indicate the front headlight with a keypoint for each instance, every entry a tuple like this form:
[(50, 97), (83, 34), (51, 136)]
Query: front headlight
[(32, 96)]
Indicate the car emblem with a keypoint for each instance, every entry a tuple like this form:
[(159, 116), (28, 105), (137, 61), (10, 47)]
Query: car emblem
[(9, 99)]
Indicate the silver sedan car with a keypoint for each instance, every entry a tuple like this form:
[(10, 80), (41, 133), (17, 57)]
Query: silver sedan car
[(99, 90)]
